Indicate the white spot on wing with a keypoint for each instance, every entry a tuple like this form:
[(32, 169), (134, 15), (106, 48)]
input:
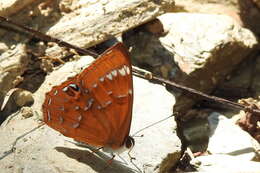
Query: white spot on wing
[(89, 104), (109, 92), (127, 69), (101, 79), (48, 115), (114, 73), (122, 71), (130, 92), (107, 103), (65, 89), (76, 125), (94, 85), (79, 117), (121, 96), (49, 101), (109, 76)]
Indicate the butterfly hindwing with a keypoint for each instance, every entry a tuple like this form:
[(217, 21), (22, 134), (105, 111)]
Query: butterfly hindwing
[(63, 112)]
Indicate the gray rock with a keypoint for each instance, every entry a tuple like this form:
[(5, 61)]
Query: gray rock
[(228, 138), (85, 24), (97, 22), (13, 6), (225, 163), (12, 65), (198, 51)]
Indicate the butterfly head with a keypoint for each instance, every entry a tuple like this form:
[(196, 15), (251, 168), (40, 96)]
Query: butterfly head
[(129, 142), (127, 145)]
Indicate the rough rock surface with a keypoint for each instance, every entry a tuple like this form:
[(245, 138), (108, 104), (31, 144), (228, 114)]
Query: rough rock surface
[(45, 150), (225, 163), (13, 63), (245, 12), (79, 22), (228, 138), (228, 148), (12, 6), (198, 51)]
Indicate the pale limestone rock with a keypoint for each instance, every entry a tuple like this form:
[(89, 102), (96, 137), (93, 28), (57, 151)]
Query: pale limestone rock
[(12, 65), (228, 138), (12, 6), (97, 22), (198, 51), (226, 164)]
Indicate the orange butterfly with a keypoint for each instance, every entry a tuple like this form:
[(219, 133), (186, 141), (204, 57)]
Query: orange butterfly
[(95, 106)]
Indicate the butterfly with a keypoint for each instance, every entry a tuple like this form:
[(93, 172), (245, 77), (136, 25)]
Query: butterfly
[(95, 106)]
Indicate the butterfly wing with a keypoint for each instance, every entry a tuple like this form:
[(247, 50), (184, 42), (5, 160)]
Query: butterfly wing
[(95, 107), (110, 82), (63, 112)]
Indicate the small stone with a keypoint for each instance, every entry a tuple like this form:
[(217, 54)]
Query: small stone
[(23, 97), (26, 112)]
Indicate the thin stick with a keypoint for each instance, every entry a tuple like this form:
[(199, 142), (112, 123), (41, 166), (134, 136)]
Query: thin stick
[(136, 71)]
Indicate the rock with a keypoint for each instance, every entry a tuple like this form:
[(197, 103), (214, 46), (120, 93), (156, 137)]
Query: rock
[(111, 18), (198, 51), (196, 134), (228, 138), (225, 163), (46, 149), (229, 8), (250, 14), (245, 12), (3, 48), (14, 100), (13, 6), (23, 98), (87, 24), (26, 112), (13, 64)]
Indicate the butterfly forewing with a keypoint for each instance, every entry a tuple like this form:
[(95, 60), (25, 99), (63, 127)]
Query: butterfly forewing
[(95, 106), (110, 81)]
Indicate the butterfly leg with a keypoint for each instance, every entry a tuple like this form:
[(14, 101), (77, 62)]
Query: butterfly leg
[(131, 158), (109, 162), (96, 150)]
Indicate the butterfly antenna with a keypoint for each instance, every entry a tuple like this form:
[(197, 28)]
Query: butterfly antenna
[(134, 135)]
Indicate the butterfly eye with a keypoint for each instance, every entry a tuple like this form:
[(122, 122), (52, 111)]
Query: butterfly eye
[(129, 142), (71, 89), (74, 87)]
